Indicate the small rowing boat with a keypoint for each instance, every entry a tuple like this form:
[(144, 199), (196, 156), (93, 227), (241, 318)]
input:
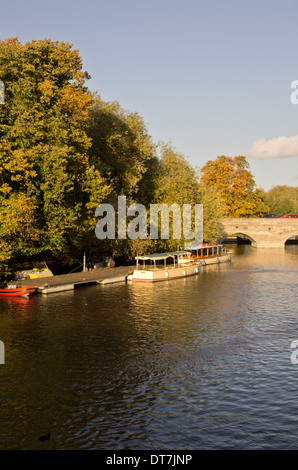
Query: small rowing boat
[(14, 291)]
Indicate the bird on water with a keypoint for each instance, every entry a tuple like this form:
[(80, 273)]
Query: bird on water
[(45, 438)]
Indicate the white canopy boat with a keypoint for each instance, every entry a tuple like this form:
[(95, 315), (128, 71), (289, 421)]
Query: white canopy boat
[(209, 253), (165, 266)]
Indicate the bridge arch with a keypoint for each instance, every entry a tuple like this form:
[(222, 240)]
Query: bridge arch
[(262, 232), (236, 234), (292, 236)]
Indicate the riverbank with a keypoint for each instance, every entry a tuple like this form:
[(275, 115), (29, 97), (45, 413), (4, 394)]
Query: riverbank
[(63, 282)]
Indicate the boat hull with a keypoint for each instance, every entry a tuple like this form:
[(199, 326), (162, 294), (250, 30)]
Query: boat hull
[(187, 265), (167, 274), (40, 269), (216, 259), (17, 291), (33, 274)]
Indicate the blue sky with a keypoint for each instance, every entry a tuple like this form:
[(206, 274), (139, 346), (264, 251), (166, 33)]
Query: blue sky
[(211, 77)]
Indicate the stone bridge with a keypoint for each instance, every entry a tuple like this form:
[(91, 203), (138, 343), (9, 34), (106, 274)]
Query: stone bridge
[(262, 232)]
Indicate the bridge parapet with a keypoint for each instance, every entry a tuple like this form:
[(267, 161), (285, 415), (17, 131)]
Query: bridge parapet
[(263, 232)]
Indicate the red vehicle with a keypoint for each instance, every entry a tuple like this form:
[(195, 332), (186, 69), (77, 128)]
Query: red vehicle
[(290, 216)]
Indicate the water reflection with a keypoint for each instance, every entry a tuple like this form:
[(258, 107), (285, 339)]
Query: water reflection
[(202, 362)]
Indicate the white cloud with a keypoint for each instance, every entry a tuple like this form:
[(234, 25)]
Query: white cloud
[(279, 147)]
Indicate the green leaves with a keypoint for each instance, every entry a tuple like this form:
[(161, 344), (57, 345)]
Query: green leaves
[(282, 200), (178, 183), (44, 162), (177, 179), (121, 147), (63, 151)]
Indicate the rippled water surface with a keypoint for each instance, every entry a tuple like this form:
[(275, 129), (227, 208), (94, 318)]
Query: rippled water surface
[(197, 363)]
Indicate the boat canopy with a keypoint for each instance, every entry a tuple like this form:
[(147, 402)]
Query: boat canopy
[(199, 246), (162, 256)]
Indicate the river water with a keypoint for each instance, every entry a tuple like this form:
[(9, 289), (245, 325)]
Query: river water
[(198, 363)]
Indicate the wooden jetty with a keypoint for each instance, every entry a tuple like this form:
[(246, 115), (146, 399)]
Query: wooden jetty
[(64, 282)]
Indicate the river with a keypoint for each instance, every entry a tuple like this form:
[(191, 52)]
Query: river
[(197, 363)]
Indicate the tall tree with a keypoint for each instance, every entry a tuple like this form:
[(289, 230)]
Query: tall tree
[(123, 152), (44, 142), (121, 147), (177, 178), (233, 180), (178, 183), (282, 200)]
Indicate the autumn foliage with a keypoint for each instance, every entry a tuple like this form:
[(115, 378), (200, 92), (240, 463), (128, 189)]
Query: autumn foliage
[(46, 177), (232, 179), (64, 151)]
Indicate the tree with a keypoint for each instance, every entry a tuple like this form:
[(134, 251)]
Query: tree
[(178, 183), (121, 147), (44, 143), (233, 180), (282, 200), (177, 179), (17, 232), (123, 152), (214, 210)]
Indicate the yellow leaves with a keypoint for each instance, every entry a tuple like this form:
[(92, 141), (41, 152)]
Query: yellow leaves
[(10, 44), (28, 67), (47, 189), (17, 232), (6, 251), (16, 164), (5, 189), (15, 214), (233, 180), (74, 102), (47, 91)]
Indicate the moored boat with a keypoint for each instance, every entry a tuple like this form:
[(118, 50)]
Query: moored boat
[(39, 270), (165, 266), (209, 253), (14, 291)]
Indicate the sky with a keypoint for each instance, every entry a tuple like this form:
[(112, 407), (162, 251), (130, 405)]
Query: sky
[(216, 77)]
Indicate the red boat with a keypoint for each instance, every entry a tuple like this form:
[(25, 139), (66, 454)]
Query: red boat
[(16, 291)]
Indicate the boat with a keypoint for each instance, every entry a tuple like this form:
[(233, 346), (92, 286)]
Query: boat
[(39, 270), (208, 253), (165, 266), (15, 291)]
